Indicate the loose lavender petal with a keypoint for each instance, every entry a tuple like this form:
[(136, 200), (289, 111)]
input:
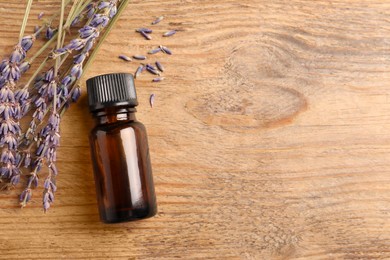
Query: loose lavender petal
[(40, 15), (169, 33), (145, 30), (146, 36), (139, 71), (160, 66), (139, 57), (151, 100), (154, 51), (165, 50), (124, 57), (158, 79), (159, 19)]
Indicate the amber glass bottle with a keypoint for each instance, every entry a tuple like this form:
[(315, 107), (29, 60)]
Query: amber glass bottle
[(119, 150)]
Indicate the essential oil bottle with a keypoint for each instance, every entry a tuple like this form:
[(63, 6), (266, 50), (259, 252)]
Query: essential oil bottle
[(119, 150)]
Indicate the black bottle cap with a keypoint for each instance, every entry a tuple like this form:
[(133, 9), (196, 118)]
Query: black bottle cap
[(111, 90)]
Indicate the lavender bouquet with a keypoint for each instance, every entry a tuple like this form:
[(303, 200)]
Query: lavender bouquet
[(40, 101)]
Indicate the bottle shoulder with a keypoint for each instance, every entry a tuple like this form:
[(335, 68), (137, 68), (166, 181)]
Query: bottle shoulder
[(118, 126)]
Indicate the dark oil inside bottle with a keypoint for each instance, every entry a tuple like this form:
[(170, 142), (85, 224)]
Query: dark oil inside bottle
[(122, 168)]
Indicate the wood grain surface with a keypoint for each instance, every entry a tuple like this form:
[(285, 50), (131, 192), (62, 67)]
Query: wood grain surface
[(270, 137)]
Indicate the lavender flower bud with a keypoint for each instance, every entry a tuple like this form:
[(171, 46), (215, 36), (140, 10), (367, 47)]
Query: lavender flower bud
[(113, 11), (87, 31), (40, 149), (27, 42), (2, 81), (76, 71), (15, 179), (89, 45), (27, 160), (17, 158), (14, 73), (38, 114), (3, 65), (17, 112), (33, 179), (17, 55), (49, 33), (51, 89), (79, 58), (76, 20), (76, 94), (67, 80), (49, 75), (24, 67), (90, 12), (53, 169), (25, 108), (26, 195), (21, 94), (99, 20), (75, 44)]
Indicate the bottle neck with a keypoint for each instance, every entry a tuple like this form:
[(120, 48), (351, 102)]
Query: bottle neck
[(114, 115)]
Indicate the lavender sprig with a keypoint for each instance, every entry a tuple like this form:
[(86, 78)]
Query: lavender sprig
[(60, 93)]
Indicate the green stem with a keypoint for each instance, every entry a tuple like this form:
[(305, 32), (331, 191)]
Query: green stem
[(25, 18), (57, 62)]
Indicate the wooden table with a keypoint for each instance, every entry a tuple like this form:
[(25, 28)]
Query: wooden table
[(269, 137)]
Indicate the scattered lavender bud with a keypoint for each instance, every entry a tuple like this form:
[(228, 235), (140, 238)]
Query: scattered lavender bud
[(138, 71), (150, 67), (139, 57), (165, 50), (124, 57), (145, 30), (169, 33), (40, 15), (159, 19), (159, 66), (153, 71), (151, 100), (49, 33), (146, 36), (158, 79), (154, 51)]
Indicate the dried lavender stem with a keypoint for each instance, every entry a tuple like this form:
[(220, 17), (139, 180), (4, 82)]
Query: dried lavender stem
[(25, 18), (57, 62)]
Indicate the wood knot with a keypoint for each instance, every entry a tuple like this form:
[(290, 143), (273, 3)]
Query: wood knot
[(251, 95)]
